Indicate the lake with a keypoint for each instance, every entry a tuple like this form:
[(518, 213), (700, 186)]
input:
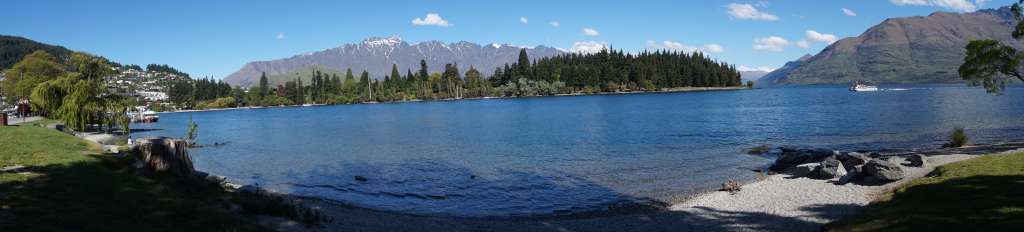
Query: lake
[(505, 157)]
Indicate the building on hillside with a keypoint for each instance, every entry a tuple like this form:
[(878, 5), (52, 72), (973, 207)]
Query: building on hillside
[(152, 95)]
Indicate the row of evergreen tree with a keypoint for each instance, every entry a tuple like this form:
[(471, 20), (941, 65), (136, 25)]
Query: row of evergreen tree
[(604, 71)]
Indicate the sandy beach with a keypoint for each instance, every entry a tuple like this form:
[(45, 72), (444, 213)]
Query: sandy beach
[(775, 203)]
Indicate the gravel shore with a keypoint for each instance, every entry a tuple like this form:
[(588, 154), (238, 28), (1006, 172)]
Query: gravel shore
[(808, 203)]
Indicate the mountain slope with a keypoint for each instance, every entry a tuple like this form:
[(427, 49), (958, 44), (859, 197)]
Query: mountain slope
[(305, 73), (376, 55), (923, 49), (13, 49), (752, 75)]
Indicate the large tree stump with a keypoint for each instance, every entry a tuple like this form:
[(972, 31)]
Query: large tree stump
[(165, 156)]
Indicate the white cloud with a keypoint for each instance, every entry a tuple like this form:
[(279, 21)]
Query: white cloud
[(677, 46), (524, 20), (432, 19), (771, 44), (849, 12), (713, 48), (747, 11), (744, 68), (819, 37), (590, 32), (957, 5), (587, 47), (554, 23), (803, 44), (280, 35)]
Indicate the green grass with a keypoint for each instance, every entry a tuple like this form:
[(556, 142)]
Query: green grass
[(73, 187), (982, 194)]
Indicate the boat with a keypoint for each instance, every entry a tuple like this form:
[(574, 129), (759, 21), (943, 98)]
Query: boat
[(148, 116), (863, 88)]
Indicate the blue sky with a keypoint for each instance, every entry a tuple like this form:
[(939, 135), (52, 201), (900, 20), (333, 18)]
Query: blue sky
[(215, 38)]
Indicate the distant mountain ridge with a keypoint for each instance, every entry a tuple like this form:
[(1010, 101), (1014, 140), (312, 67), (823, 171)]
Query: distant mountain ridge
[(376, 55), (752, 75), (922, 49)]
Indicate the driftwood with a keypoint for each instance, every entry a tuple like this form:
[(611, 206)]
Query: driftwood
[(165, 156)]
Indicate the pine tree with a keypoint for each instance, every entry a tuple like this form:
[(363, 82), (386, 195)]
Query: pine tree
[(524, 63), (264, 85)]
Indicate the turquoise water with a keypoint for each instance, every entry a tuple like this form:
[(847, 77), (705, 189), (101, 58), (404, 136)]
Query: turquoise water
[(501, 157)]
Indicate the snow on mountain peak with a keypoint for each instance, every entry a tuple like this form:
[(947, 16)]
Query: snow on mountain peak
[(378, 41)]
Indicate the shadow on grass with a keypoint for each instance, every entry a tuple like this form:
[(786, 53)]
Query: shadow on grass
[(977, 203), (106, 195)]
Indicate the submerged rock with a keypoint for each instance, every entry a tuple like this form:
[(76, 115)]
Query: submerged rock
[(883, 170)]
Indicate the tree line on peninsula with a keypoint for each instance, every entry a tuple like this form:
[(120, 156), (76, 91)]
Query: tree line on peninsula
[(601, 72)]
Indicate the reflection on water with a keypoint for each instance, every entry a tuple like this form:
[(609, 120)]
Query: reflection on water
[(541, 155)]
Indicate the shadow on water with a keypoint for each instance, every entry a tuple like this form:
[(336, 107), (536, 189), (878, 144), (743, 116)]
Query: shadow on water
[(441, 196)]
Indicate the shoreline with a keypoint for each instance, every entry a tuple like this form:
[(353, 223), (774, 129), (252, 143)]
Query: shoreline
[(670, 90), (774, 202)]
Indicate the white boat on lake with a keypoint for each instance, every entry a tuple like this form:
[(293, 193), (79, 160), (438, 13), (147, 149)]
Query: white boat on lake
[(863, 88)]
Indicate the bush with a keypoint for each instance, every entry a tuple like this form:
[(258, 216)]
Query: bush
[(957, 139)]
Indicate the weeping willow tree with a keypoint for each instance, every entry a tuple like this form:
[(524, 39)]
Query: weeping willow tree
[(81, 106), (79, 98), (48, 96), (117, 109)]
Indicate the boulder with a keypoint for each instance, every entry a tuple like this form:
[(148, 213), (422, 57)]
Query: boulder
[(853, 159), (883, 170), (788, 149), (821, 152), (853, 174), (792, 157), (805, 169), (215, 179), (829, 169), (915, 160), (249, 189)]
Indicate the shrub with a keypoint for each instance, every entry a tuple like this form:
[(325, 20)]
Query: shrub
[(957, 139)]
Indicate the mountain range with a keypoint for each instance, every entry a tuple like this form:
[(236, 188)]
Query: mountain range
[(922, 49), (376, 55)]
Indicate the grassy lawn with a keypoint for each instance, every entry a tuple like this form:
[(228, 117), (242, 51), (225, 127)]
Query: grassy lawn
[(982, 194), (72, 187)]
